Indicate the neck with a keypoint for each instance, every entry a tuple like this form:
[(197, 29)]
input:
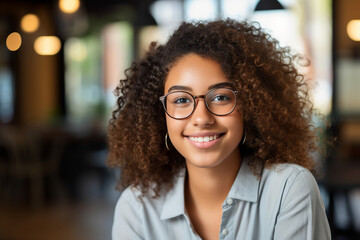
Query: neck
[(209, 186)]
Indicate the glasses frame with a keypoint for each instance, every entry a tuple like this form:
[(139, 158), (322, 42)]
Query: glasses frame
[(162, 99)]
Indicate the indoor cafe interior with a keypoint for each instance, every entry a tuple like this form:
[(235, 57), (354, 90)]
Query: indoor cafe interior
[(60, 61)]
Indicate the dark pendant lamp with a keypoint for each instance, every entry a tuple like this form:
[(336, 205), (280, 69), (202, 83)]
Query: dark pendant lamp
[(143, 15), (268, 5)]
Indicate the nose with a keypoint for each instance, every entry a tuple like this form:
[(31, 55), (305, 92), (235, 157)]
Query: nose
[(201, 116)]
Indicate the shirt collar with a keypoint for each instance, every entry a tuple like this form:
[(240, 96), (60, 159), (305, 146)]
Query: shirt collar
[(174, 204), (246, 184), (245, 187)]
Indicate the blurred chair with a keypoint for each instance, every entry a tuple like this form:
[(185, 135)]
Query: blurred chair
[(29, 158), (4, 170)]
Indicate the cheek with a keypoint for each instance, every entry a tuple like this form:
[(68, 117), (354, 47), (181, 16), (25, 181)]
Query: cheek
[(174, 127), (236, 125), (169, 123)]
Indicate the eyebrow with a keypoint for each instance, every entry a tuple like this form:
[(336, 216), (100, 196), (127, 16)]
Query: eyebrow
[(220, 85), (184, 88)]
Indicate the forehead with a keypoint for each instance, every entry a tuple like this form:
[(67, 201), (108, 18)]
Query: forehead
[(195, 72)]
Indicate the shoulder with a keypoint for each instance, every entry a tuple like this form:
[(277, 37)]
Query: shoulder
[(288, 173), (134, 198), (297, 199), (128, 205), (288, 179), (130, 196), (292, 187), (134, 201), (133, 211)]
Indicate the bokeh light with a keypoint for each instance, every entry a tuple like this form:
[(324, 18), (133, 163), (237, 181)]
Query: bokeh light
[(69, 6), (13, 41), (76, 49), (353, 29), (47, 45), (30, 23)]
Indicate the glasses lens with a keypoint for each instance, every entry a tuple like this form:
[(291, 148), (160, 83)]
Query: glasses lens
[(221, 101), (179, 104)]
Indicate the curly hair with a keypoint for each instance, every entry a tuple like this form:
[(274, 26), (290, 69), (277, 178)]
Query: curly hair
[(273, 97)]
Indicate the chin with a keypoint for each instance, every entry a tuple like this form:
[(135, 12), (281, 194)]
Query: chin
[(204, 162)]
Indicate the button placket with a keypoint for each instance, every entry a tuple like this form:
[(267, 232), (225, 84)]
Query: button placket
[(226, 231), (229, 201)]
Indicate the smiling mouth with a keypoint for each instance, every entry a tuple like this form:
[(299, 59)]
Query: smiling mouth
[(205, 139)]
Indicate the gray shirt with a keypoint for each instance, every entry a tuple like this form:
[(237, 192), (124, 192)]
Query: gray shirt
[(284, 203)]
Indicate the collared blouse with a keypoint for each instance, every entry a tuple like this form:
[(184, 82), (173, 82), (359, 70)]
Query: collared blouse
[(284, 203)]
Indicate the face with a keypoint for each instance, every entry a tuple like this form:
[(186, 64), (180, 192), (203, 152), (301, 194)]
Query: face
[(222, 134)]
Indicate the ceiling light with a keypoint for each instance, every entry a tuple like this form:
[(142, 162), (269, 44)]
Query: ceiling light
[(264, 5)]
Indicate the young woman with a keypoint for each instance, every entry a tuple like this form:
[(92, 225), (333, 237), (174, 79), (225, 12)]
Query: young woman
[(212, 133)]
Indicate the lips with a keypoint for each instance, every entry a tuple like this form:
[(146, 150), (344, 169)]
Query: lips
[(204, 140)]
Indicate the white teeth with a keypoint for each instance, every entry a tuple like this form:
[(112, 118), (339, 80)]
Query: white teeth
[(204, 139)]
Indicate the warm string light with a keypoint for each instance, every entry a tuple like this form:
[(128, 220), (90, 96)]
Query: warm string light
[(44, 45), (30, 23), (69, 6), (47, 45), (13, 41), (353, 29)]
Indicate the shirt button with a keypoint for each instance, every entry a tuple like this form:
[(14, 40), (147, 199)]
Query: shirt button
[(225, 232), (229, 201)]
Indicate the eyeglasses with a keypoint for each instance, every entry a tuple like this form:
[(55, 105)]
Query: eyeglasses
[(181, 104)]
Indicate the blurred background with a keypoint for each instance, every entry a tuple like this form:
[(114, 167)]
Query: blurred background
[(60, 61)]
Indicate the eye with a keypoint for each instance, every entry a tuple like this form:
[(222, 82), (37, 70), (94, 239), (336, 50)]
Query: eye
[(221, 98), (182, 100), (179, 99)]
